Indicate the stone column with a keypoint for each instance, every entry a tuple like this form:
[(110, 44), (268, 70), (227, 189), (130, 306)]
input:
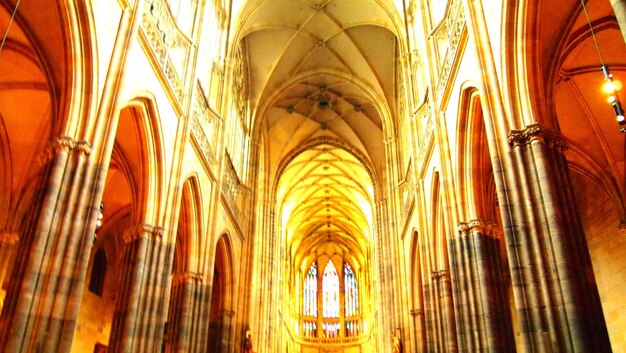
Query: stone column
[(419, 344), (8, 244), (40, 307), (440, 322), (483, 323), (556, 297), (141, 306), (185, 316), (226, 330), (619, 7)]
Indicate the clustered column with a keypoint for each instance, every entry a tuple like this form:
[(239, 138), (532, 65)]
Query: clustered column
[(141, 309), (481, 304), (440, 320), (187, 324), (40, 308), (8, 243), (556, 298)]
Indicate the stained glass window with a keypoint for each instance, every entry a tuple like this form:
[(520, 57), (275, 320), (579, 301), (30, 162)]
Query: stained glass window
[(330, 290), (310, 291), (351, 292)]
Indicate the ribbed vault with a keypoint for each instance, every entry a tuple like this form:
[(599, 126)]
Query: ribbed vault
[(326, 198), (323, 93)]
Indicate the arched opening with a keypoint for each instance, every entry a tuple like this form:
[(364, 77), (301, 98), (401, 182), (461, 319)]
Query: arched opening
[(220, 312), (417, 294), (181, 328), (125, 190), (98, 272)]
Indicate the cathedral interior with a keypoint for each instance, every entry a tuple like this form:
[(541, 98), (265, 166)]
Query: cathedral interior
[(312, 176)]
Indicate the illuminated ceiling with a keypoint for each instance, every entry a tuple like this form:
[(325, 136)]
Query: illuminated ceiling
[(322, 71)]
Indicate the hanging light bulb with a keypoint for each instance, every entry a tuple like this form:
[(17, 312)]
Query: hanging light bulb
[(611, 87)]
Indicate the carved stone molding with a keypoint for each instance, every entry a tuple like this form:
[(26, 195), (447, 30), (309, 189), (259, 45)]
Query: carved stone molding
[(183, 277), (440, 275), (463, 228), (479, 226), (537, 133), (83, 147), (64, 144), (416, 312), (143, 230)]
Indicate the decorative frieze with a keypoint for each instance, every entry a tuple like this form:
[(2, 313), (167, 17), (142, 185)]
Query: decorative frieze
[(231, 187), (427, 134), (168, 43), (455, 25), (204, 125)]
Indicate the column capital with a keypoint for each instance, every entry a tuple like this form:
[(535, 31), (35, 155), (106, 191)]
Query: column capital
[(188, 276), (83, 147), (536, 132), (415, 312), (439, 275), (143, 230), (477, 226), (463, 228), (64, 143)]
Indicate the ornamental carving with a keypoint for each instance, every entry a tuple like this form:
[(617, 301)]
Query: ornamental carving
[(143, 230), (185, 277), (204, 126), (537, 133), (169, 45), (478, 226), (455, 24)]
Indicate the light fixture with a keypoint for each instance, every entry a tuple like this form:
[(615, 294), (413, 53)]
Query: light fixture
[(611, 86), (99, 221)]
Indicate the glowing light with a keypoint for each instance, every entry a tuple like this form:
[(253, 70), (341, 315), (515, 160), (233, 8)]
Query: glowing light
[(611, 86)]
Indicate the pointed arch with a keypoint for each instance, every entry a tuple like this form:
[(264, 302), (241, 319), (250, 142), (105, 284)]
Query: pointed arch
[(476, 180), (139, 135)]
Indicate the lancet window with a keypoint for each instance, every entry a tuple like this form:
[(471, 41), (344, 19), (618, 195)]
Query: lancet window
[(330, 302)]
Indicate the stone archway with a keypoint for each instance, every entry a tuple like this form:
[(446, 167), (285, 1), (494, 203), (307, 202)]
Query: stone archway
[(220, 311)]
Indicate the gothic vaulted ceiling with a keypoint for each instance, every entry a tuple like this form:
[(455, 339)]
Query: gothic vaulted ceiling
[(322, 70)]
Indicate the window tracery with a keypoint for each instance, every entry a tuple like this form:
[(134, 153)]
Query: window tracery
[(330, 303)]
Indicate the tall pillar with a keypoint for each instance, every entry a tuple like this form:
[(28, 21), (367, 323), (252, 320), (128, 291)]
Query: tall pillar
[(556, 297), (481, 303), (186, 316), (619, 7), (226, 330), (40, 309), (8, 245), (141, 306), (441, 333)]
